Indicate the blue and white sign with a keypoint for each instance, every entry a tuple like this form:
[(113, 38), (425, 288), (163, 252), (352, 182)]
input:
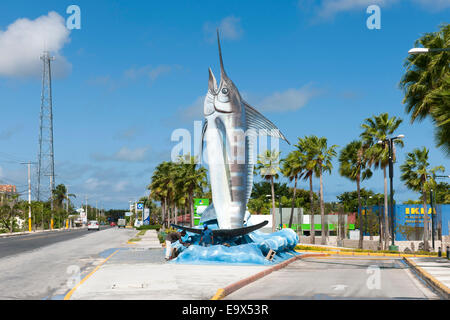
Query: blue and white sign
[(140, 206), (146, 216)]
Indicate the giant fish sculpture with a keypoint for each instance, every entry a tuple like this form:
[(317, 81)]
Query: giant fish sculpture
[(230, 128)]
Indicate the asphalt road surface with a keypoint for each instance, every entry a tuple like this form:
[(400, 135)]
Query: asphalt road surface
[(19, 244), (48, 267), (339, 277)]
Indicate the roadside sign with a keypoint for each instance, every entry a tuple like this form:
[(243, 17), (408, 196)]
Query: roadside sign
[(200, 205), (140, 206), (128, 214), (146, 216)]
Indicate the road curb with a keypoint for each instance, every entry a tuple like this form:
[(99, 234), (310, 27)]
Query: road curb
[(432, 281), (375, 254), (15, 234), (223, 292)]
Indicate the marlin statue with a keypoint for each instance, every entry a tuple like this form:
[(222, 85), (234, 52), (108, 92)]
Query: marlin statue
[(230, 130)]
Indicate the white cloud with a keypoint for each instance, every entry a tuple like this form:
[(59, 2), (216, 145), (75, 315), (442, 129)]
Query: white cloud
[(23, 42), (125, 154), (229, 27), (194, 111), (152, 73), (289, 100), (434, 5), (328, 9)]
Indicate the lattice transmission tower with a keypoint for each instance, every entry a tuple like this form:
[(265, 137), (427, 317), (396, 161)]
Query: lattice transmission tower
[(46, 160)]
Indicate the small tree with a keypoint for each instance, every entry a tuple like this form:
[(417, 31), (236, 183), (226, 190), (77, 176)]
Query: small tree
[(419, 177)]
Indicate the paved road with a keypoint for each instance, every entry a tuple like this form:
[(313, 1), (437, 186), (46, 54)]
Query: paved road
[(50, 271), (19, 244), (339, 278)]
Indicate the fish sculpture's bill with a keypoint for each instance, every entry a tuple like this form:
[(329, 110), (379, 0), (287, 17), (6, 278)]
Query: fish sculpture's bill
[(230, 130)]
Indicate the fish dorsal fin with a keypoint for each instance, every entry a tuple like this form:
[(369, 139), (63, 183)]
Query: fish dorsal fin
[(205, 126), (257, 121)]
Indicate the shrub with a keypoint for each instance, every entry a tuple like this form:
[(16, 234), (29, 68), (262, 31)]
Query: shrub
[(149, 227)]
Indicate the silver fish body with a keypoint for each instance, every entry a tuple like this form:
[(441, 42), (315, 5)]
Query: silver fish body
[(230, 130)]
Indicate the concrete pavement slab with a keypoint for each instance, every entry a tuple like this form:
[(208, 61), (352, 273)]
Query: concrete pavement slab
[(121, 278)]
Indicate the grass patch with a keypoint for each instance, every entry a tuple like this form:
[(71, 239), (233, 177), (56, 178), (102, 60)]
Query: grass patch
[(141, 233), (134, 240), (156, 227), (313, 248)]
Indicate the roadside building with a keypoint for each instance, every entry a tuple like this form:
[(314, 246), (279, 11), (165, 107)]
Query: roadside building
[(7, 191)]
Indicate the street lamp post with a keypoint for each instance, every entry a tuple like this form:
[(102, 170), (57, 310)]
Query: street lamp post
[(432, 218), (427, 50), (366, 228), (390, 142)]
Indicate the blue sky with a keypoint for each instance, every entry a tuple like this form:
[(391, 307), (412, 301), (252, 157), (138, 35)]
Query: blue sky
[(136, 71)]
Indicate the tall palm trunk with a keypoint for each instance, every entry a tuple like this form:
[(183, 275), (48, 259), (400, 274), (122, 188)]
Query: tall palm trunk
[(293, 202), (273, 205), (163, 205), (386, 217), (311, 199), (176, 215), (191, 207), (426, 231), (380, 223), (361, 223), (322, 212)]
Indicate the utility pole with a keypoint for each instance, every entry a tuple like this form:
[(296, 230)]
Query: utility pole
[(46, 162), (29, 193), (86, 208), (67, 206), (390, 143)]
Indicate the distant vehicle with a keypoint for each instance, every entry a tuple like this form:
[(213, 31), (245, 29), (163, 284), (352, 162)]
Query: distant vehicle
[(93, 225), (121, 223), (113, 224)]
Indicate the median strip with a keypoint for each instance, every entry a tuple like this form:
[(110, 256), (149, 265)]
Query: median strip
[(70, 293), (223, 292)]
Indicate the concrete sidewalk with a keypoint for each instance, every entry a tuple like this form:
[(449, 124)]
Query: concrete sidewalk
[(148, 241), (435, 270), (141, 274)]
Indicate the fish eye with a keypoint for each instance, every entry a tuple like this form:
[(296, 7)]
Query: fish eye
[(225, 91)]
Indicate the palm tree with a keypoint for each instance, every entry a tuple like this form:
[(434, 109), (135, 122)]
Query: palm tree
[(379, 128), (9, 209), (268, 166), (441, 100), (318, 159), (308, 157), (293, 168), (425, 80), (59, 195), (159, 188), (353, 165), (323, 160), (419, 177), (193, 179)]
